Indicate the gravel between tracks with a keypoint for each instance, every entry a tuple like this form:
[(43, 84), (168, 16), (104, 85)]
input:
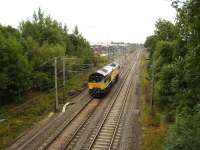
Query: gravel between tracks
[(131, 137)]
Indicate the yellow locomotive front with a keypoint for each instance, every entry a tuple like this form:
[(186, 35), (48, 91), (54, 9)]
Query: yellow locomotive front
[(98, 85), (101, 81)]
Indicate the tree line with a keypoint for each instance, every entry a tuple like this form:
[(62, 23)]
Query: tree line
[(175, 58), (33, 43)]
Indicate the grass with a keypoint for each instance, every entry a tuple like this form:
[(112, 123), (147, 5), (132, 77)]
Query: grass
[(23, 116), (153, 122), (21, 119)]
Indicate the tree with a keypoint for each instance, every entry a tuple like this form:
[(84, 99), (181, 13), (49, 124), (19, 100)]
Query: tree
[(177, 58), (76, 32), (150, 43), (15, 69), (27, 53), (166, 31)]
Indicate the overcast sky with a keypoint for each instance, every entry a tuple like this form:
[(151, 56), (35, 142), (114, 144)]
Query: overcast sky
[(98, 20)]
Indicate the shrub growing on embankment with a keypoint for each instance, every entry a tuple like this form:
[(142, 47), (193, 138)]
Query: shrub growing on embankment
[(175, 57)]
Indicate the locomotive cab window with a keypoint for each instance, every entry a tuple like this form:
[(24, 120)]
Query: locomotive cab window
[(113, 65), (96, 78)]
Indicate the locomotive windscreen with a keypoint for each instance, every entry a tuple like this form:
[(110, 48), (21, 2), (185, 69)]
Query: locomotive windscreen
[(96, 77)]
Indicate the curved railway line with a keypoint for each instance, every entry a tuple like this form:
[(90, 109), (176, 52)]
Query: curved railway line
[(34, 139), (67, 142), (110, 123), (104, 136), (106, 132), (62, 140), (71, 142)]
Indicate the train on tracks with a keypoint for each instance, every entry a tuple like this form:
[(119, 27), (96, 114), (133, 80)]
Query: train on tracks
[(101, 81)]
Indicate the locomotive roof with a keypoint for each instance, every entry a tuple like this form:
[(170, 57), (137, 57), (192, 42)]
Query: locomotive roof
[(114, 65), (107, 69)]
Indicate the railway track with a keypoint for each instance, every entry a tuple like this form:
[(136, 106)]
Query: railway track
[(72, 127), (67, 135), (107, 135), (33, 141), (114, 111), (63, 141), (85, 112)]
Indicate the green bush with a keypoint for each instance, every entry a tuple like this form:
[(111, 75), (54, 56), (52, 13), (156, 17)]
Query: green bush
[(185, 133), (42, 81), (175, 52)]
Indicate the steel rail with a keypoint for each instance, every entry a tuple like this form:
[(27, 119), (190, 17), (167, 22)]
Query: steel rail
[(68, 123), (120, 116), (108, 112), (78, 129), (81, 126)]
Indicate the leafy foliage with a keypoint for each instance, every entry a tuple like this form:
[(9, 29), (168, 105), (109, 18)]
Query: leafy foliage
[(26, 54), (175, 53), (185, 133), (15, 69)]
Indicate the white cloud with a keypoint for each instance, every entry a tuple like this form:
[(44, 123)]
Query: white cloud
[(98, 20)]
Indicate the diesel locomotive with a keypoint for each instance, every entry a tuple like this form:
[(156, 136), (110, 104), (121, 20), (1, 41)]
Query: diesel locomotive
[(101, 81)]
